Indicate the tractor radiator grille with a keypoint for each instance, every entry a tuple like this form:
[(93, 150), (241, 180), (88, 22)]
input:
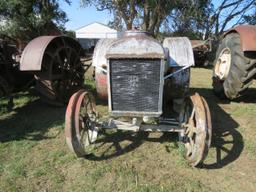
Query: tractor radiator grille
[(135, 85)]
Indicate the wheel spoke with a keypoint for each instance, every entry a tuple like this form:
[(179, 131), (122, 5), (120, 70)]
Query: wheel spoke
[(195, 134)]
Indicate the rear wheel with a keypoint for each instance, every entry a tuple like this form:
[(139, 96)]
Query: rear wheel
[(233, 71), (62, 72)]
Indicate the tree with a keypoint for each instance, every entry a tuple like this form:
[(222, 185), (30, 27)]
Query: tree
[(227, 14), (194, 18), (250, 18), (147, 14), (27, 19), (188, 19)]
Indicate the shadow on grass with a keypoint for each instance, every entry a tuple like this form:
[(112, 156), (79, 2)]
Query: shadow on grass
[(226, 140), (30, 121), (121, 142), (33, 121), (249, 96)]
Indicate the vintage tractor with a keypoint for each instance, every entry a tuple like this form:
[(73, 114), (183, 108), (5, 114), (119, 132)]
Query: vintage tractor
[(202, 50), (147, 90), (53, 61), (235, 63), (11, 79)]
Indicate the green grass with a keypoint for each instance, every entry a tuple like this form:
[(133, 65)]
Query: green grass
[(35, 157)]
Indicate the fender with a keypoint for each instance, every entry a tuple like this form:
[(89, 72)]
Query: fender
[(247, 36), (180, 51), (32, 55)]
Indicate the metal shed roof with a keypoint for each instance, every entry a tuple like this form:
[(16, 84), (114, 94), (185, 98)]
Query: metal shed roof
[(96, 31)]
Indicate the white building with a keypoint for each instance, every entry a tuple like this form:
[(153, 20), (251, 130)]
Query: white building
[(89, 35)]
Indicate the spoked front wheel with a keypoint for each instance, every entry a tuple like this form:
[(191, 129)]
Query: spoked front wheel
[(80, 123), (196, 135)]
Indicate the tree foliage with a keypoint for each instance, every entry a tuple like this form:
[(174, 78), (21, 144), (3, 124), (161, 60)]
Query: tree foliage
[(188, 18), (147, 15), (227, 14), (194, 18), (28, 19)]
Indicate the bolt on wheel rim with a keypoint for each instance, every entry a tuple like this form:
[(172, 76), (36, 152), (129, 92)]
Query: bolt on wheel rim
[(223, 64)]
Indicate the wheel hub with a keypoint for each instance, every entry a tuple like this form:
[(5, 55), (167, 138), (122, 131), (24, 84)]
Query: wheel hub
[(223, 64)]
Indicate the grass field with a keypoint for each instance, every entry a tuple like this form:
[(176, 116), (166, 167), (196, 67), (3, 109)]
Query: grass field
[(34, 156)]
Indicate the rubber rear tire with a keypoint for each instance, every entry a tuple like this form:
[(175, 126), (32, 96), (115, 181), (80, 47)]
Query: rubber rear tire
[(242, 70)]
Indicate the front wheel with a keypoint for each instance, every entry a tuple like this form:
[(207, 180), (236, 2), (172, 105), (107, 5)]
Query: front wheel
[(195, 119), (80, 123)]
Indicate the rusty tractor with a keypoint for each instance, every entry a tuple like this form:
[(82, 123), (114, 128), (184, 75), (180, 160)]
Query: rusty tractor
[(148, 90), (235, 63), (11, 79), (202, 50), (53, 61)]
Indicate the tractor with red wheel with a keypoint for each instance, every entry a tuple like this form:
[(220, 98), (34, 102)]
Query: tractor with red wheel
[(235, 63), (147, 87)]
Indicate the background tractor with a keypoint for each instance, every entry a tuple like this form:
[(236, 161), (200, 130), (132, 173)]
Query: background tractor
[(11, 79), (147, 90), (235, 64), (51, 63)]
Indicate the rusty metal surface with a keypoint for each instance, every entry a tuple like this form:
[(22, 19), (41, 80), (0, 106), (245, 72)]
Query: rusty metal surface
[(209, 127), (99, 60), (76, 122), (69, 121), (196, 43), (201, 45), (61, 71), (101, 85), (136, 44), (247, 36), (132, 56), (197, 129), (180, 51), (33, 53)]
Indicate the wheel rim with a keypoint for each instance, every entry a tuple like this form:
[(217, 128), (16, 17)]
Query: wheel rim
[(80, 126), (223, 64), (196, 134), (85, 121)]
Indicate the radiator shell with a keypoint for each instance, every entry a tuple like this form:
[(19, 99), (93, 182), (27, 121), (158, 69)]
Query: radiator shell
[(135, 87)]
